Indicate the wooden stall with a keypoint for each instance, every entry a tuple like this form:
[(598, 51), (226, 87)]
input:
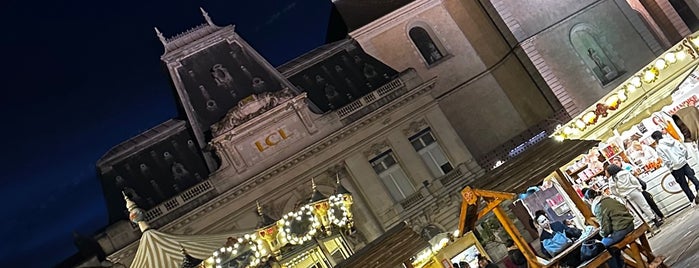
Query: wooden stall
[(546, 159)]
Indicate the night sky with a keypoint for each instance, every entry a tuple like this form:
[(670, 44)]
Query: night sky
[(82, 76)]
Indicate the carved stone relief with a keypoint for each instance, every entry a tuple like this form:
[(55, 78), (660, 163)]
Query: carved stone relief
[(415, 127), (249, 108), (376, 149)]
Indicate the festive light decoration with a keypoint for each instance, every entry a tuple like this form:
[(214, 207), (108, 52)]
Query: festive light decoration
[(295, 227), (647, 76)]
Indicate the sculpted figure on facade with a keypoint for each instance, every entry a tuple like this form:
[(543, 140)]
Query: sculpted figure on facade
[(249, 108)]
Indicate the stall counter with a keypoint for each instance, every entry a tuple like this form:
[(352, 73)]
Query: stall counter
[(664, 189)]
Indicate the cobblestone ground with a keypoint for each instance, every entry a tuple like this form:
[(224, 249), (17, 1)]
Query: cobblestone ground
[(678, 239)]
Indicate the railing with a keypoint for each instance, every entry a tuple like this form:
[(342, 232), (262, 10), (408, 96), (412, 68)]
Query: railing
[(196, 191), (412, 200), (369, 98), (453, 175), (177, 201)]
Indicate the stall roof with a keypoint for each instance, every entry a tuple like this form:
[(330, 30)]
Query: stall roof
[(394, 247), (532, 166)]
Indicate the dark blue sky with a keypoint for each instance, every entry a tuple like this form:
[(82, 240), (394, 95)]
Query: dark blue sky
[(79, 77)]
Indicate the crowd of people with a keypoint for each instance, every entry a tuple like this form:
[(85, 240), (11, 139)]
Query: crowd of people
[(614, 205)]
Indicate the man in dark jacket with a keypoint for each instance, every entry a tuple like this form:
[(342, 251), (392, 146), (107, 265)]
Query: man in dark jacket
[(614, 219)]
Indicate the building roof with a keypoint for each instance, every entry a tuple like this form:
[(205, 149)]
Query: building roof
[(357, 13), (390, 249), (532, 166), (312, 57), (134, 144)]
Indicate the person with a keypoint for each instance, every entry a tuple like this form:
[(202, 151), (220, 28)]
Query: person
[(464, 264), (615, 222), (625, 185), (515, 254), (674, 156), (641, 153), (549, 229), (623, 164), (455, 265), (484, 262), (687, 120)]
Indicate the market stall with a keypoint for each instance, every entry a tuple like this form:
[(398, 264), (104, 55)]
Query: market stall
[(545, 161), (624, 119)]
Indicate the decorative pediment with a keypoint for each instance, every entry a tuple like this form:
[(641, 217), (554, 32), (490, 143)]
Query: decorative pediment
[(376, 149), (415, 127), (250, 107)]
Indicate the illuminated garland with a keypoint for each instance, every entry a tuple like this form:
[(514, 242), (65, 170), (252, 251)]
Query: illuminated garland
[(647, 76), (296, 228), (303, 220), (338, 213)]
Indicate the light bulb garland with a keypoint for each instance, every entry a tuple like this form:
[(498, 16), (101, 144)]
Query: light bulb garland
[(647, 76), (296, 228)]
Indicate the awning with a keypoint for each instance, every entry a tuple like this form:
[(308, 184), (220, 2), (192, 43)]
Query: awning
[(532, 166), (638, 97), (394, 247), (160, 250)]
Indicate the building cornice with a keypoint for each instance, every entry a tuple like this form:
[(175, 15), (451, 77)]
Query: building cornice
[(399, 15)]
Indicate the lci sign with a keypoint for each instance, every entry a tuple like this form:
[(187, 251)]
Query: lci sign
[(670, 185), (271, 140)]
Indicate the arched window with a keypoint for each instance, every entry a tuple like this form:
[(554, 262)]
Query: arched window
[(424, 43)]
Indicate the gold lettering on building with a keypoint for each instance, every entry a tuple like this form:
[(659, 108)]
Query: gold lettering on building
[(271, 140)]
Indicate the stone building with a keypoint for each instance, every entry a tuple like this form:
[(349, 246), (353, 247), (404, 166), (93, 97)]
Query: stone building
[(418, 99)]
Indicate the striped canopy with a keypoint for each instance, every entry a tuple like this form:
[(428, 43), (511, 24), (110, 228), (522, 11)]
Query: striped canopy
[(160, 250)]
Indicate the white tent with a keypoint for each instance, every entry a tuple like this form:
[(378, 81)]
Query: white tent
[(161, 250)]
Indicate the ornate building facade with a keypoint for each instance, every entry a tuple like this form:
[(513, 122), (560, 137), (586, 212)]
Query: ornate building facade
[(420, 98)]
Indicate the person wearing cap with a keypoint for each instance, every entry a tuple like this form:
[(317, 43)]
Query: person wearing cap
[(674, 155), (614, 219)]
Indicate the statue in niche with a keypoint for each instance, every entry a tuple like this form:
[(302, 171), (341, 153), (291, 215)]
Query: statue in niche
[(221, 75), (434, 54), (591, 47), (607, 72), (258, 85), (604, 68)]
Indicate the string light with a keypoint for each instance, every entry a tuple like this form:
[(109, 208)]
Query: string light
[(648, 76)]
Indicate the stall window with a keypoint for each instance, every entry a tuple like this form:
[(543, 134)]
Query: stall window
[(393, 176), (432, 154), (427, 47)]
